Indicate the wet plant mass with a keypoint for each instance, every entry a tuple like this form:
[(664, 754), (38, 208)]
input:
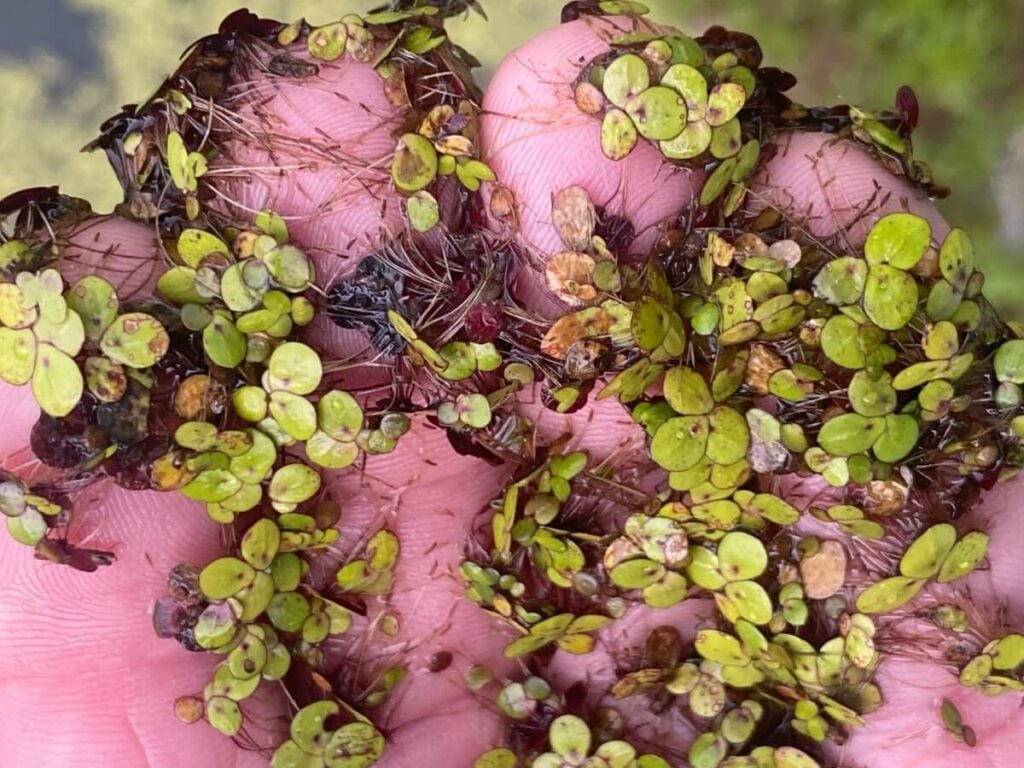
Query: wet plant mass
[(747, 350)]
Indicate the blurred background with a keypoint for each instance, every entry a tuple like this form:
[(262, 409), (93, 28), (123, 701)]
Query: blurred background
[(65, 65)]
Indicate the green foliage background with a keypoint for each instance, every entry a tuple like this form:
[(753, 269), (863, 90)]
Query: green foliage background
[(963, 57)]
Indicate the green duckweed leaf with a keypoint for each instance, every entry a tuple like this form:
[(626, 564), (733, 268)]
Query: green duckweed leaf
[(294, 484), (840, 341), (294, 414), (224, 715), (691, 85), (849, 434), (28, 528), (135, 339), (95, 301), (288, 611), (618, 135), (1009, 362), (194, 245), (751, 601), (956, 259), (307, 727), (570, 737), (625, 78), (693, 141), (216, 626), (636, 574), (222, 341), (225, 577), (290, 268), (718, 646), (17, 355), (943, 300), (260, 543), (872, 396), (296, 368), (325, 451), (899, 239), (888, 594), (964, 557), (57, 383), (898, 438), (717, 182), (841, 281), (940, 341), (725, 102), (890, 297), (926, 554), (741, 556), (658, 113), (726, 141), (415, 163), (1008, 652), (327, 43), (422, 211), (238, 296), (354, 745), (707, 751), (687, 392), (680, 443), (729, 438)]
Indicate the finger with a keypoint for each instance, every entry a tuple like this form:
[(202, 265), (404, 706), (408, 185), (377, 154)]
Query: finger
[(316, 149), (538, 143), (668, 731), (433, 499), (1001, 516), (127, 253), (428, 496), (836, 191), (835, 187), (910, 726)]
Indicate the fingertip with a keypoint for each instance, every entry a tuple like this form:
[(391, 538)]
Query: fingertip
[(830, 185), (123, 251), (538, 142), (315, 149)]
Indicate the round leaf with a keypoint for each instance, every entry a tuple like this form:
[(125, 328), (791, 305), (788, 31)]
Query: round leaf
[(899, 239), (260, 543), (225, 577), (626, 78), (680, 443), (890, 297), (415, 163), (659, 113), (17, 355), (294, 484), (95, 301), (741, 556), (570, 737), (296, 368), (849, 434), (57, 382)]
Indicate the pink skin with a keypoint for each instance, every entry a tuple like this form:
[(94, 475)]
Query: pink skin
[(85, 679)]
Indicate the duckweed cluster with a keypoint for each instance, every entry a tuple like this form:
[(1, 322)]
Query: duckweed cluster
[(744, 350)]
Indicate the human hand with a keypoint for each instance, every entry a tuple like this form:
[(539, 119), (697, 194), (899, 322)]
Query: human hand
[(317, 151)]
